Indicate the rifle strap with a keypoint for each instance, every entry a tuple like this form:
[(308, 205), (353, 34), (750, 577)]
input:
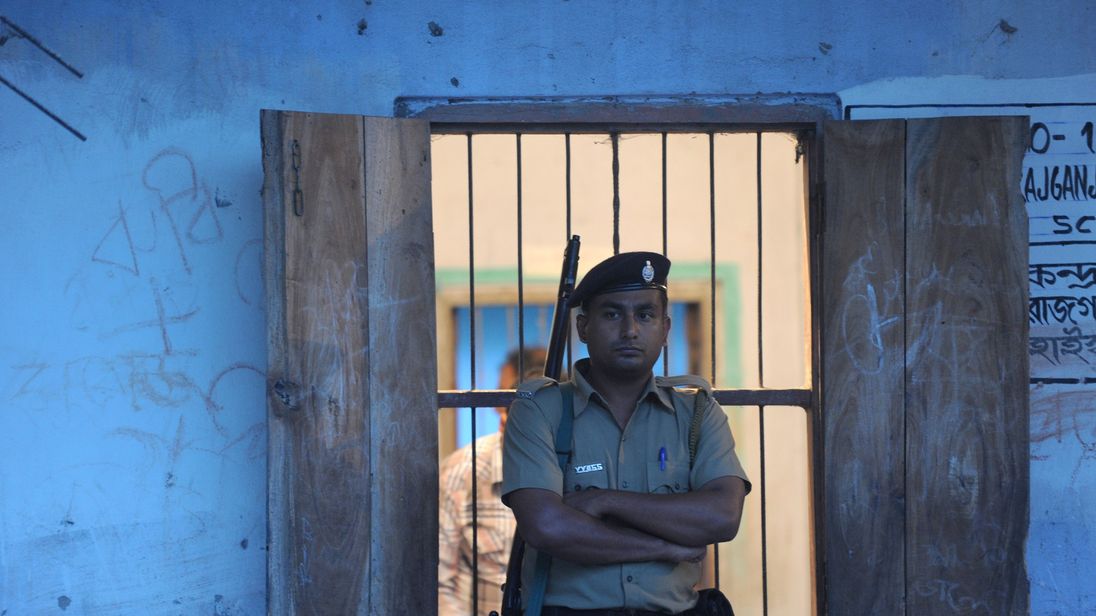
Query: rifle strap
[(563, 453)]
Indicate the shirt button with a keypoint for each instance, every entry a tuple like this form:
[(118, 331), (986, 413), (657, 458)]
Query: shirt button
[(625, 484), (629, 578), (578, 488)]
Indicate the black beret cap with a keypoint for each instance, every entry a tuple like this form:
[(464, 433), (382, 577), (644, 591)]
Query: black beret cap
[(627, 271)]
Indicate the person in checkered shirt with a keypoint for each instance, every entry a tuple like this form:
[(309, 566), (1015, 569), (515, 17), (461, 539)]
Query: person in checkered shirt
[(495, 521)]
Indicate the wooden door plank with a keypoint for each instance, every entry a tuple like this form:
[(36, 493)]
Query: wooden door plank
[(319, 425), (967, 372), (403, 371), (863, 367), (346, 288), (275, 166)]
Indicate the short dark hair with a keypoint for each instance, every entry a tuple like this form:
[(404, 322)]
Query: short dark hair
[(531, 360)]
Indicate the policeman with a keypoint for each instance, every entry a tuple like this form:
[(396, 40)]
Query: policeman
[(627, 522)]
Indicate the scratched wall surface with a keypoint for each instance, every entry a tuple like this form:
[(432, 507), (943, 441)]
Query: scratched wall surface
[(132, 414)]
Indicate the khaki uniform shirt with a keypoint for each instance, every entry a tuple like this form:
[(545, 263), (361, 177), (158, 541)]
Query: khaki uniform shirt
[(604, 456)]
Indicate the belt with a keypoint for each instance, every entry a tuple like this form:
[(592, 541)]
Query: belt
[(555, 610)]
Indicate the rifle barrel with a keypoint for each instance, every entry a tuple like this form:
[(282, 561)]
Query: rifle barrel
[(561, 321)]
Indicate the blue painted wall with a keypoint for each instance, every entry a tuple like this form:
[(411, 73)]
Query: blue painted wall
[(132, 338)]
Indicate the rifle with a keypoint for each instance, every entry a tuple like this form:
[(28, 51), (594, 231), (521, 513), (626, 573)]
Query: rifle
[(553, 368), (561, 319)]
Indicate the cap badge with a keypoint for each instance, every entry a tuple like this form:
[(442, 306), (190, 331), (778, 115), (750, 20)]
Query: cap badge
[(648, 273)]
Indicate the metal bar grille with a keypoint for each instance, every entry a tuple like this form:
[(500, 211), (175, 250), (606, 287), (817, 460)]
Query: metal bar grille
[(760, 397), (711, 287), (761, 381), (615, 137), (567, 234), (484, 398), (665, 241), (472, 364), (606, 128), (521, 278)]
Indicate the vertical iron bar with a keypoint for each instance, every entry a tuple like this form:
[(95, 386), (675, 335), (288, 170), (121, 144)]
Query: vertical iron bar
[(521, 283), (472, 362), (711, 232), (567, 236), (615, 138), (471, 268), (665, 250), (761, 383), (711, 256)]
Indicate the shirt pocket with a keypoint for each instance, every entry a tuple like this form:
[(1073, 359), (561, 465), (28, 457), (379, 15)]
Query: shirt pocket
[(585, 474), (673, 479)]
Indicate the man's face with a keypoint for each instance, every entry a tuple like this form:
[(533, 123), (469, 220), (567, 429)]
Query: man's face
[(624, 332)]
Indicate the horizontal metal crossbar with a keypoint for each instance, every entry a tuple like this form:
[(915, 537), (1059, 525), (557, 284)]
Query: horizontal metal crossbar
[(487, 398)]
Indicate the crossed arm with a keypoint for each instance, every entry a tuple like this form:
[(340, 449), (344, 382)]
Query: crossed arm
[(613, 526)]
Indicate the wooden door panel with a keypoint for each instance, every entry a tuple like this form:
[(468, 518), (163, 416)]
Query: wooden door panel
[(863, 365), (966, 374), (352, 394), (925, 414)]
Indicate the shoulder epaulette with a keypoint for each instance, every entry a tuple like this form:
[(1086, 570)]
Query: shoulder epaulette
[(528, 389), (691, 381)]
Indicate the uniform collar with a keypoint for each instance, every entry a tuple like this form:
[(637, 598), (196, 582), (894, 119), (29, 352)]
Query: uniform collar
[(584, 391)]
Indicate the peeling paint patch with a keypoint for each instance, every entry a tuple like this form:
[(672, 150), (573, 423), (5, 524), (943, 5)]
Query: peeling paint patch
[(435, 29), (62, 602)]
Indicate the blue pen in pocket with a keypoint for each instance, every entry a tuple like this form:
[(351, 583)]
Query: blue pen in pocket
[(661, 458)]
